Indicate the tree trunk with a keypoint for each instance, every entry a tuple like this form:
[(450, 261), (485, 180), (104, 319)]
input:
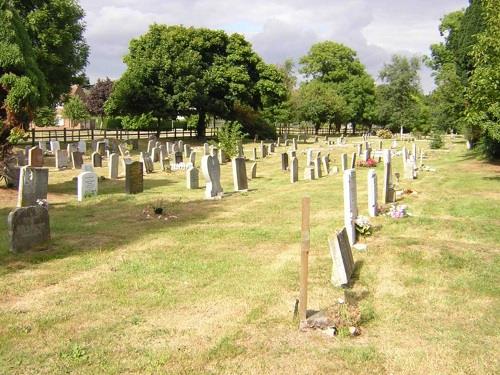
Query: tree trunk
[(158, 125), (200, 126), (353, 124), (338, 127), (316, 128)]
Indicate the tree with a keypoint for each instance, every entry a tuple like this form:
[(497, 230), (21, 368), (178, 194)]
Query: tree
[(174, 70), (338, 65), (399, 95), (319, 103), (56, 30), (75, 110), (97, 97)]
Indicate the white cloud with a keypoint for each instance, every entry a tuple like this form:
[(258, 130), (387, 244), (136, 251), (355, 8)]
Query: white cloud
[(278, 29)]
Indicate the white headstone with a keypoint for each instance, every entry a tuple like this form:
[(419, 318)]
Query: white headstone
[(350, 204), (113, 166), (87, 185), (372, 193)]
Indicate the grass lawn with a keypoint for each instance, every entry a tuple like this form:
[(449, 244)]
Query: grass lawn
[(212, 290)]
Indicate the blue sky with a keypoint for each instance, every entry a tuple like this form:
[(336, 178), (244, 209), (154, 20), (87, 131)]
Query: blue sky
[(277, 29)]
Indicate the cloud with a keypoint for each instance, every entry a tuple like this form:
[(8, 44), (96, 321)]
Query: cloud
[(277, 29)]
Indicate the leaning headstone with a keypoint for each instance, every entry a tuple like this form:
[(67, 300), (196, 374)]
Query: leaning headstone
[(134, 180), (113, 166), (35, 157), (372, 193), (284, 161), (29, 229), (253, 171), (96, 160), (33, 185), (388, 193), (294, 169), (192, 178), (353, 160), (350, 204), (343, 159), (87, 185), (77, 159), (211, 171), (240, 181), (343, 262), (148, 163), (61, 159), (309, 173)]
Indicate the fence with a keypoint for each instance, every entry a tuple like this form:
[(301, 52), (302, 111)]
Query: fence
[(75, 135)]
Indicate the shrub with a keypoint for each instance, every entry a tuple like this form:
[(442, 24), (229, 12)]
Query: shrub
[(17, 135), (384, 134), (253, 123), (45, 116), (142, 122), (436, 141), (229, 136)]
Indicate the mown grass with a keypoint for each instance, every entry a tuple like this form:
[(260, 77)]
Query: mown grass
[(213, 289)]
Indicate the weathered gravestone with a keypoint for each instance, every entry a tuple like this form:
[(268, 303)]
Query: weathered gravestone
[(96, 160), (187, 150), (317, 166), (113, 166), (309, 173), (54, 145), (343, 159), (42, 145), (309, 157), (388, 193), (164, 160), (151, 144), (134, 180), (155, 154), (192, 158), (263, 150), (82, 146), (353, 160), (77, 159), (29, 229), (178, 157), (240, 181), (101, 147), (254, 154), (325, 160), (372, 192), (61, 159), (253, 171), (350, 204), (147, 162), (294, 144), (211, 171), (33, 184), (86, 185), (294, 169), (192, 178), (272, 148), (35, 157), (284, 161)]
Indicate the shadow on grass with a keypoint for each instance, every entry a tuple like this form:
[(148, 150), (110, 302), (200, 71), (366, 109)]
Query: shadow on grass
[(103, 225)]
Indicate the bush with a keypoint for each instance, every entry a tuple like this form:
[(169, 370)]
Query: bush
[(384, 134), (113, 123), (229, 136), (45, 116), (253, 123), (142, 122), (436, 141), (17, 135)]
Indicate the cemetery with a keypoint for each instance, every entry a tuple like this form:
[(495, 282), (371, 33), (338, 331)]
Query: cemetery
[(278, 187), (140, 264)]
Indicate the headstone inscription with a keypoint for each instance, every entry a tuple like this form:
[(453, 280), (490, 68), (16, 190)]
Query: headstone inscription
[(87, 185), (29, 229), (134, 180), (33, 185)]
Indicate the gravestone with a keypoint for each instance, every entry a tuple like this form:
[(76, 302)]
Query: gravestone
[(54, 146), (350, 204), (43, 146), (96, 160), (206, 149), (240, 181), (343, 159), (360, 149), (353, 160), (164, 160), (372, 193), (134, 180), (33, 185), (294, 144), (35, 157), (192, 158), (82, 146), (388, 193), (309, 157), (77, 159), (309, 173), (263, 151), (187, 150), (113, 166), (366, 154), (284, 161), (254, 154), (294, 169), (253, 171), (157, 144), (21, 159), (61, 159), (86, 185), (122, 149), (271, 148), (147, 162), (151, 144), (101, 147), (70, 147), (410, 169), (192, 178), (240, 151), (169, 147), (180, 143), (278, 142), (287, 142), (317, 167), (87, 168), (211, 171), (414, 153), (155, 154), (178, 157), (29, 229), (326, 164)]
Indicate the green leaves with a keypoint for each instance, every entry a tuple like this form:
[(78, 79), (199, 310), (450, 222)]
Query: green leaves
[(75, 110)]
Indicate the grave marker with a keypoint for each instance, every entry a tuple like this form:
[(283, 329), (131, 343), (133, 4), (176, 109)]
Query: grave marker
[(33, 185), (372, 193), (284, 161), (211, 171), (35, 157), (192, 178), (294, 169), (77, 159), (87, 185), (28, 228), (350, 204), (96, 160), (240, 181), (61, 159), (343, 262), (113, 166), (134, 180)]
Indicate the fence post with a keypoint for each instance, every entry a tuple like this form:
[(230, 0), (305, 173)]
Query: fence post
[(92, 134), (33, 136), (116, 133), (175, 133), (64, 135), (105, 134)]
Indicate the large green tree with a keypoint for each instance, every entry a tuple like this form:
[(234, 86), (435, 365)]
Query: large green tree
[(175, 70), (338, 65)]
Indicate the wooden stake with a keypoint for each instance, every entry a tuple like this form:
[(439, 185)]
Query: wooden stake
[(304, 258)]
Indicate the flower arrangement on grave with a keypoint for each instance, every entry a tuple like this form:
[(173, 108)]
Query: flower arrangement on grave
[(363, 226), (370, 163), (398, 211)]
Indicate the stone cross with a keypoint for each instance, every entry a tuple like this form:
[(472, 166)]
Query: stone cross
[(350, 204), (33, 185), (210, 167), (294, 169), (134, 179), (35, 157), (192, 178), (113, 166), (240, 181), (343, 262), (28, 228), (372, 193), (87, 185)]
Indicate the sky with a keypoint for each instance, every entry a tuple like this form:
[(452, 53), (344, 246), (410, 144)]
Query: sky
[(278, 30)]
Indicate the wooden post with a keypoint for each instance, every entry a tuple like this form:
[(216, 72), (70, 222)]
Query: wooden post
[(304, 258), (64, 135), (33, 137)]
